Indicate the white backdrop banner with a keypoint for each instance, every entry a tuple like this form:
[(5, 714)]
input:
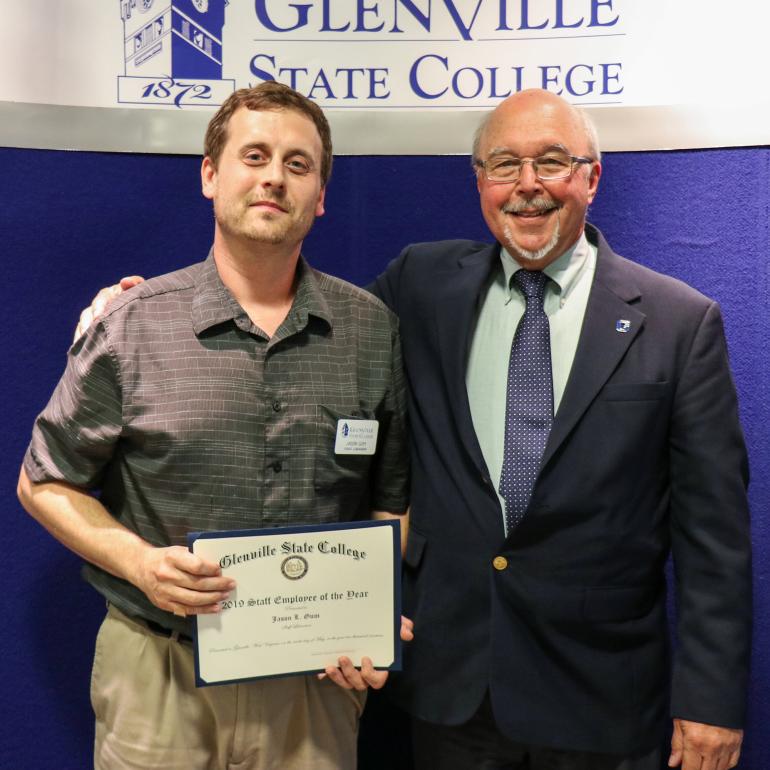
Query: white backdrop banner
[(394, 76)]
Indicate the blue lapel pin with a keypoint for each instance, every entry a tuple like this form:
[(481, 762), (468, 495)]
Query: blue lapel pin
[(622, 325)]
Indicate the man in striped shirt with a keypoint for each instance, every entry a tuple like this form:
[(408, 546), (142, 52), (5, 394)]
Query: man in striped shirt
[(209, 399)]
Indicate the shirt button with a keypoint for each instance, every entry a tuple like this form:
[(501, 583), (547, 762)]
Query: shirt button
[(277, 466), (499, 563), (276, 406)]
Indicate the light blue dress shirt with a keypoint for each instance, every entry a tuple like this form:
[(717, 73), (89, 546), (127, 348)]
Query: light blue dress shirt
[(499, 311)]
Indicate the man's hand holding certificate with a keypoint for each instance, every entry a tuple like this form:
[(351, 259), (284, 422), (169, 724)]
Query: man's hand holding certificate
[(305, 598)]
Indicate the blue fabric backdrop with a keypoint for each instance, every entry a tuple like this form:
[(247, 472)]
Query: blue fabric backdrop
[(72, 222)]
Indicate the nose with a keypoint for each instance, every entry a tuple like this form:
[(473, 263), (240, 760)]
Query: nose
[(528, 183), (273, 174)]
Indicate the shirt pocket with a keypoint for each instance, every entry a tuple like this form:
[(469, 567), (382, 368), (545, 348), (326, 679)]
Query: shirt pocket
[(340, 482)]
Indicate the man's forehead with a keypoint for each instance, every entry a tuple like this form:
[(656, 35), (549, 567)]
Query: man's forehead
[(535, 133), (266, 120)]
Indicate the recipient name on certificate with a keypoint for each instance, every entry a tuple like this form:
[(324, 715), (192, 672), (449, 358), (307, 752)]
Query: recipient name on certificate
[(304, 596)]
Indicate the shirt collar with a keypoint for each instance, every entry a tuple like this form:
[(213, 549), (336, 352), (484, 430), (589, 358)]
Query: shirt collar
[(309, 299), (214, 304), (565, 271)]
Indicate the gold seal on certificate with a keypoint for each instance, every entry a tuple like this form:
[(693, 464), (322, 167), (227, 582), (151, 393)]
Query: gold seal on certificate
[(294, 567), (304, 597)]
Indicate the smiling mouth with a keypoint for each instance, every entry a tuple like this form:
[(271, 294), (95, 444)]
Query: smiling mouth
[(531, 214), (532, 209), (269, 205)]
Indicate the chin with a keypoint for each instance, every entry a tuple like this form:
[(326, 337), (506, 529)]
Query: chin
[(531, 255), (258, 234), (267, 236)]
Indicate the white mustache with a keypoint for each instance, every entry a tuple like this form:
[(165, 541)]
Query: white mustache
[(539, 204)]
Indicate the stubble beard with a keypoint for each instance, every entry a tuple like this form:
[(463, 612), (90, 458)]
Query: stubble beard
[(263, 230)]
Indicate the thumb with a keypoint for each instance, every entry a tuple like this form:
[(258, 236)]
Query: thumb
[(677, 745)]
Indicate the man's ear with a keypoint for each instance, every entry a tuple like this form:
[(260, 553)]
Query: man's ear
[(593, 180), (208, 178), (319, 207)]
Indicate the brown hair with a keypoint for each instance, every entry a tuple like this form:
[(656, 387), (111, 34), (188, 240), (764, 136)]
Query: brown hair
[(267, 96)]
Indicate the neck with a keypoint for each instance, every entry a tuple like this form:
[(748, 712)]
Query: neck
[(260, 276)]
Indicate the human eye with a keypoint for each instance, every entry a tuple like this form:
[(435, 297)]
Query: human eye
[(255, 157), (504, 164), (553, 162), (298, 165)]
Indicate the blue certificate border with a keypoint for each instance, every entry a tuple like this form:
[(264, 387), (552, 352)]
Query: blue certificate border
[(394, 524)]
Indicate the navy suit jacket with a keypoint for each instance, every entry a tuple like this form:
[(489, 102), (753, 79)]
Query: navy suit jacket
[(646, 456)]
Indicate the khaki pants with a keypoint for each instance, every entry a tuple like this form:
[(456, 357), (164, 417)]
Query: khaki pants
[(149, 714)]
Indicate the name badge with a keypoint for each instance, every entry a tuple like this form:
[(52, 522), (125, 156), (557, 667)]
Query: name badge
[(356, 437)]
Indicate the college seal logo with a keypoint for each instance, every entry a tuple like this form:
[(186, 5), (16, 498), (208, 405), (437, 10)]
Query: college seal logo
[(294, 567), (172, 52)]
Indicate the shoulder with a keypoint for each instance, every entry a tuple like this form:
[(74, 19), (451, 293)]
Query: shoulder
[(633, 279), (673, 289), (430, 251), (657, 291), (422, 268), (344, 296), (421, 262), (155, 291)]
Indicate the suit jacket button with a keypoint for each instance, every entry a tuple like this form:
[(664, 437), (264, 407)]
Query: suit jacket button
[(500, 563)]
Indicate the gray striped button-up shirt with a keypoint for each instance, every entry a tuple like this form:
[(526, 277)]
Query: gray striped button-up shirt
[(188, 418)]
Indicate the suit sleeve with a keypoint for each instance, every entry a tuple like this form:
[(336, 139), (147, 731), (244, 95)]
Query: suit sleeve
[(710, 536), (390, 473), (386, 285)]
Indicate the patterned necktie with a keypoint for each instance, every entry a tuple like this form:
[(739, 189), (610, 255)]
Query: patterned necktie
[(529, 399)]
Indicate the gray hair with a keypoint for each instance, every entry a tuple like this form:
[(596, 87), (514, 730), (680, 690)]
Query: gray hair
[(592, 135), (477, 136)]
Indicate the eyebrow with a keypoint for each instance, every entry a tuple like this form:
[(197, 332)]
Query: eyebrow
[(507, 150)]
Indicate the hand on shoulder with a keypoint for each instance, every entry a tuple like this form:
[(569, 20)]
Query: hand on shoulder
[(100, 302)]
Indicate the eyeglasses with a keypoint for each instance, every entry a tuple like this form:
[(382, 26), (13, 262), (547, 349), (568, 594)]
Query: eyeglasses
[(548, 167)]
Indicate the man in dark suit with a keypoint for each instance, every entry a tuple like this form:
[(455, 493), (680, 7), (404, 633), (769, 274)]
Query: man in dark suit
[(537, 590)]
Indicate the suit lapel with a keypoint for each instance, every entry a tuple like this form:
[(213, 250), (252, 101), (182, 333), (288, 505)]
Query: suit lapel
[(455, 319), (602, 343), (600, 348)]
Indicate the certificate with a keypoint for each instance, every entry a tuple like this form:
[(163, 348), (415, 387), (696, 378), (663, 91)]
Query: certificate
[(304, 596)]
